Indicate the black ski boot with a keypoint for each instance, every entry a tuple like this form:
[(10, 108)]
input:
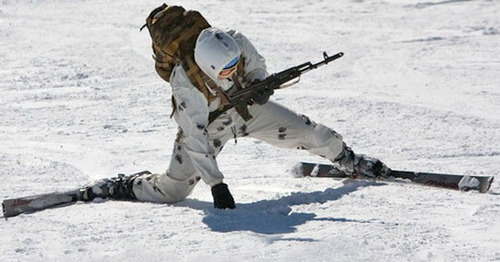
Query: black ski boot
[(119, 187)]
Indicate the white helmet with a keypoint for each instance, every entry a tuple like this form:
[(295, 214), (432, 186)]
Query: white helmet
[(214, 50)]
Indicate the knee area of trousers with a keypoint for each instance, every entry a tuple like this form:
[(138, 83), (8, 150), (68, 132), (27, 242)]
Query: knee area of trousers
[(323, 133)]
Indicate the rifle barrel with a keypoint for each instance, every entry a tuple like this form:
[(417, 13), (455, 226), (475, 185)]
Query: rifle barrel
[(327, 59), (240, 98)]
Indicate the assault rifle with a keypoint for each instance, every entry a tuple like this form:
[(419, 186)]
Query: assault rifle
[(241, 98)]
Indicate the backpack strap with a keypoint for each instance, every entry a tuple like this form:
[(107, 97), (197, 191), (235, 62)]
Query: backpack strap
[(194, 74), (240, 69)]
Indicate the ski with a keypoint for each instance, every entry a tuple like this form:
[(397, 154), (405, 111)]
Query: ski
[(451, 181), (29, 204)]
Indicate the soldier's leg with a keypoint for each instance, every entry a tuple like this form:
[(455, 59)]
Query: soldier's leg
[(170, 187), (282, 127), (181, 177)]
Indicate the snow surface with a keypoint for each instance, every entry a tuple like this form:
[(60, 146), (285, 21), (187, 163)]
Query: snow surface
[(418, 87)]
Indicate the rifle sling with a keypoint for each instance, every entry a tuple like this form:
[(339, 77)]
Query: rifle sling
[(241, 109), (213, 115)]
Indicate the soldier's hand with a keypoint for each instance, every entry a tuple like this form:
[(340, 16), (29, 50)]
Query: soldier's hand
[(222, 197), (261, 97)]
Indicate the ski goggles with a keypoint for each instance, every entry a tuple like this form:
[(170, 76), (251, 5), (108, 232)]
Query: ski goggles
[(229, 69)]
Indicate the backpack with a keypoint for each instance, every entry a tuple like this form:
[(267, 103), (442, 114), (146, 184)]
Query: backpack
[(173, 32)]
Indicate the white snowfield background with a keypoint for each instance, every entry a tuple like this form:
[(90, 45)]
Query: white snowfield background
[(418, 87)]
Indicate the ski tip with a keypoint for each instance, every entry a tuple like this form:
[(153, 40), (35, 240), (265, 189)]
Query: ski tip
[(479, 183), (485, 187), (6, 212), (9, 211), (4, 215)]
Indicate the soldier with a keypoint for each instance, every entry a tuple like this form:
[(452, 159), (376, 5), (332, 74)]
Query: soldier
[(231, 62)]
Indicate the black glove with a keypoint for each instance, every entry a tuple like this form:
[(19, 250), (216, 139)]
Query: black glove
[(261, 97), (222, 197)]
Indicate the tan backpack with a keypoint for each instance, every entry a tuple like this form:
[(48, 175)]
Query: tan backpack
[(174, 32)]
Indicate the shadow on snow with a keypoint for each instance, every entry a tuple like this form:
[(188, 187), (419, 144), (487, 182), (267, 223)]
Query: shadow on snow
[(274, 216)]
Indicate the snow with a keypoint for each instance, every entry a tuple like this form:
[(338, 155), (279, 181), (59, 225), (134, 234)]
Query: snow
[(418, 87)]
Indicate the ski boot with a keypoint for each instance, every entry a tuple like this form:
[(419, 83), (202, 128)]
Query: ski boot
[(357, 165), (119, 187), (370, 167)]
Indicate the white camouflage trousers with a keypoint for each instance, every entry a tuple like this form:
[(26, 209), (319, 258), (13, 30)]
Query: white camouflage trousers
[(271, 123)]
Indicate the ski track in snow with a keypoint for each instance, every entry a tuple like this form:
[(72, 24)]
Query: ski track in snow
[(418, 87)]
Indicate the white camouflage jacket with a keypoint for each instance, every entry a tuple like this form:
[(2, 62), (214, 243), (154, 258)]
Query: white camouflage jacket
[(193, 119)]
